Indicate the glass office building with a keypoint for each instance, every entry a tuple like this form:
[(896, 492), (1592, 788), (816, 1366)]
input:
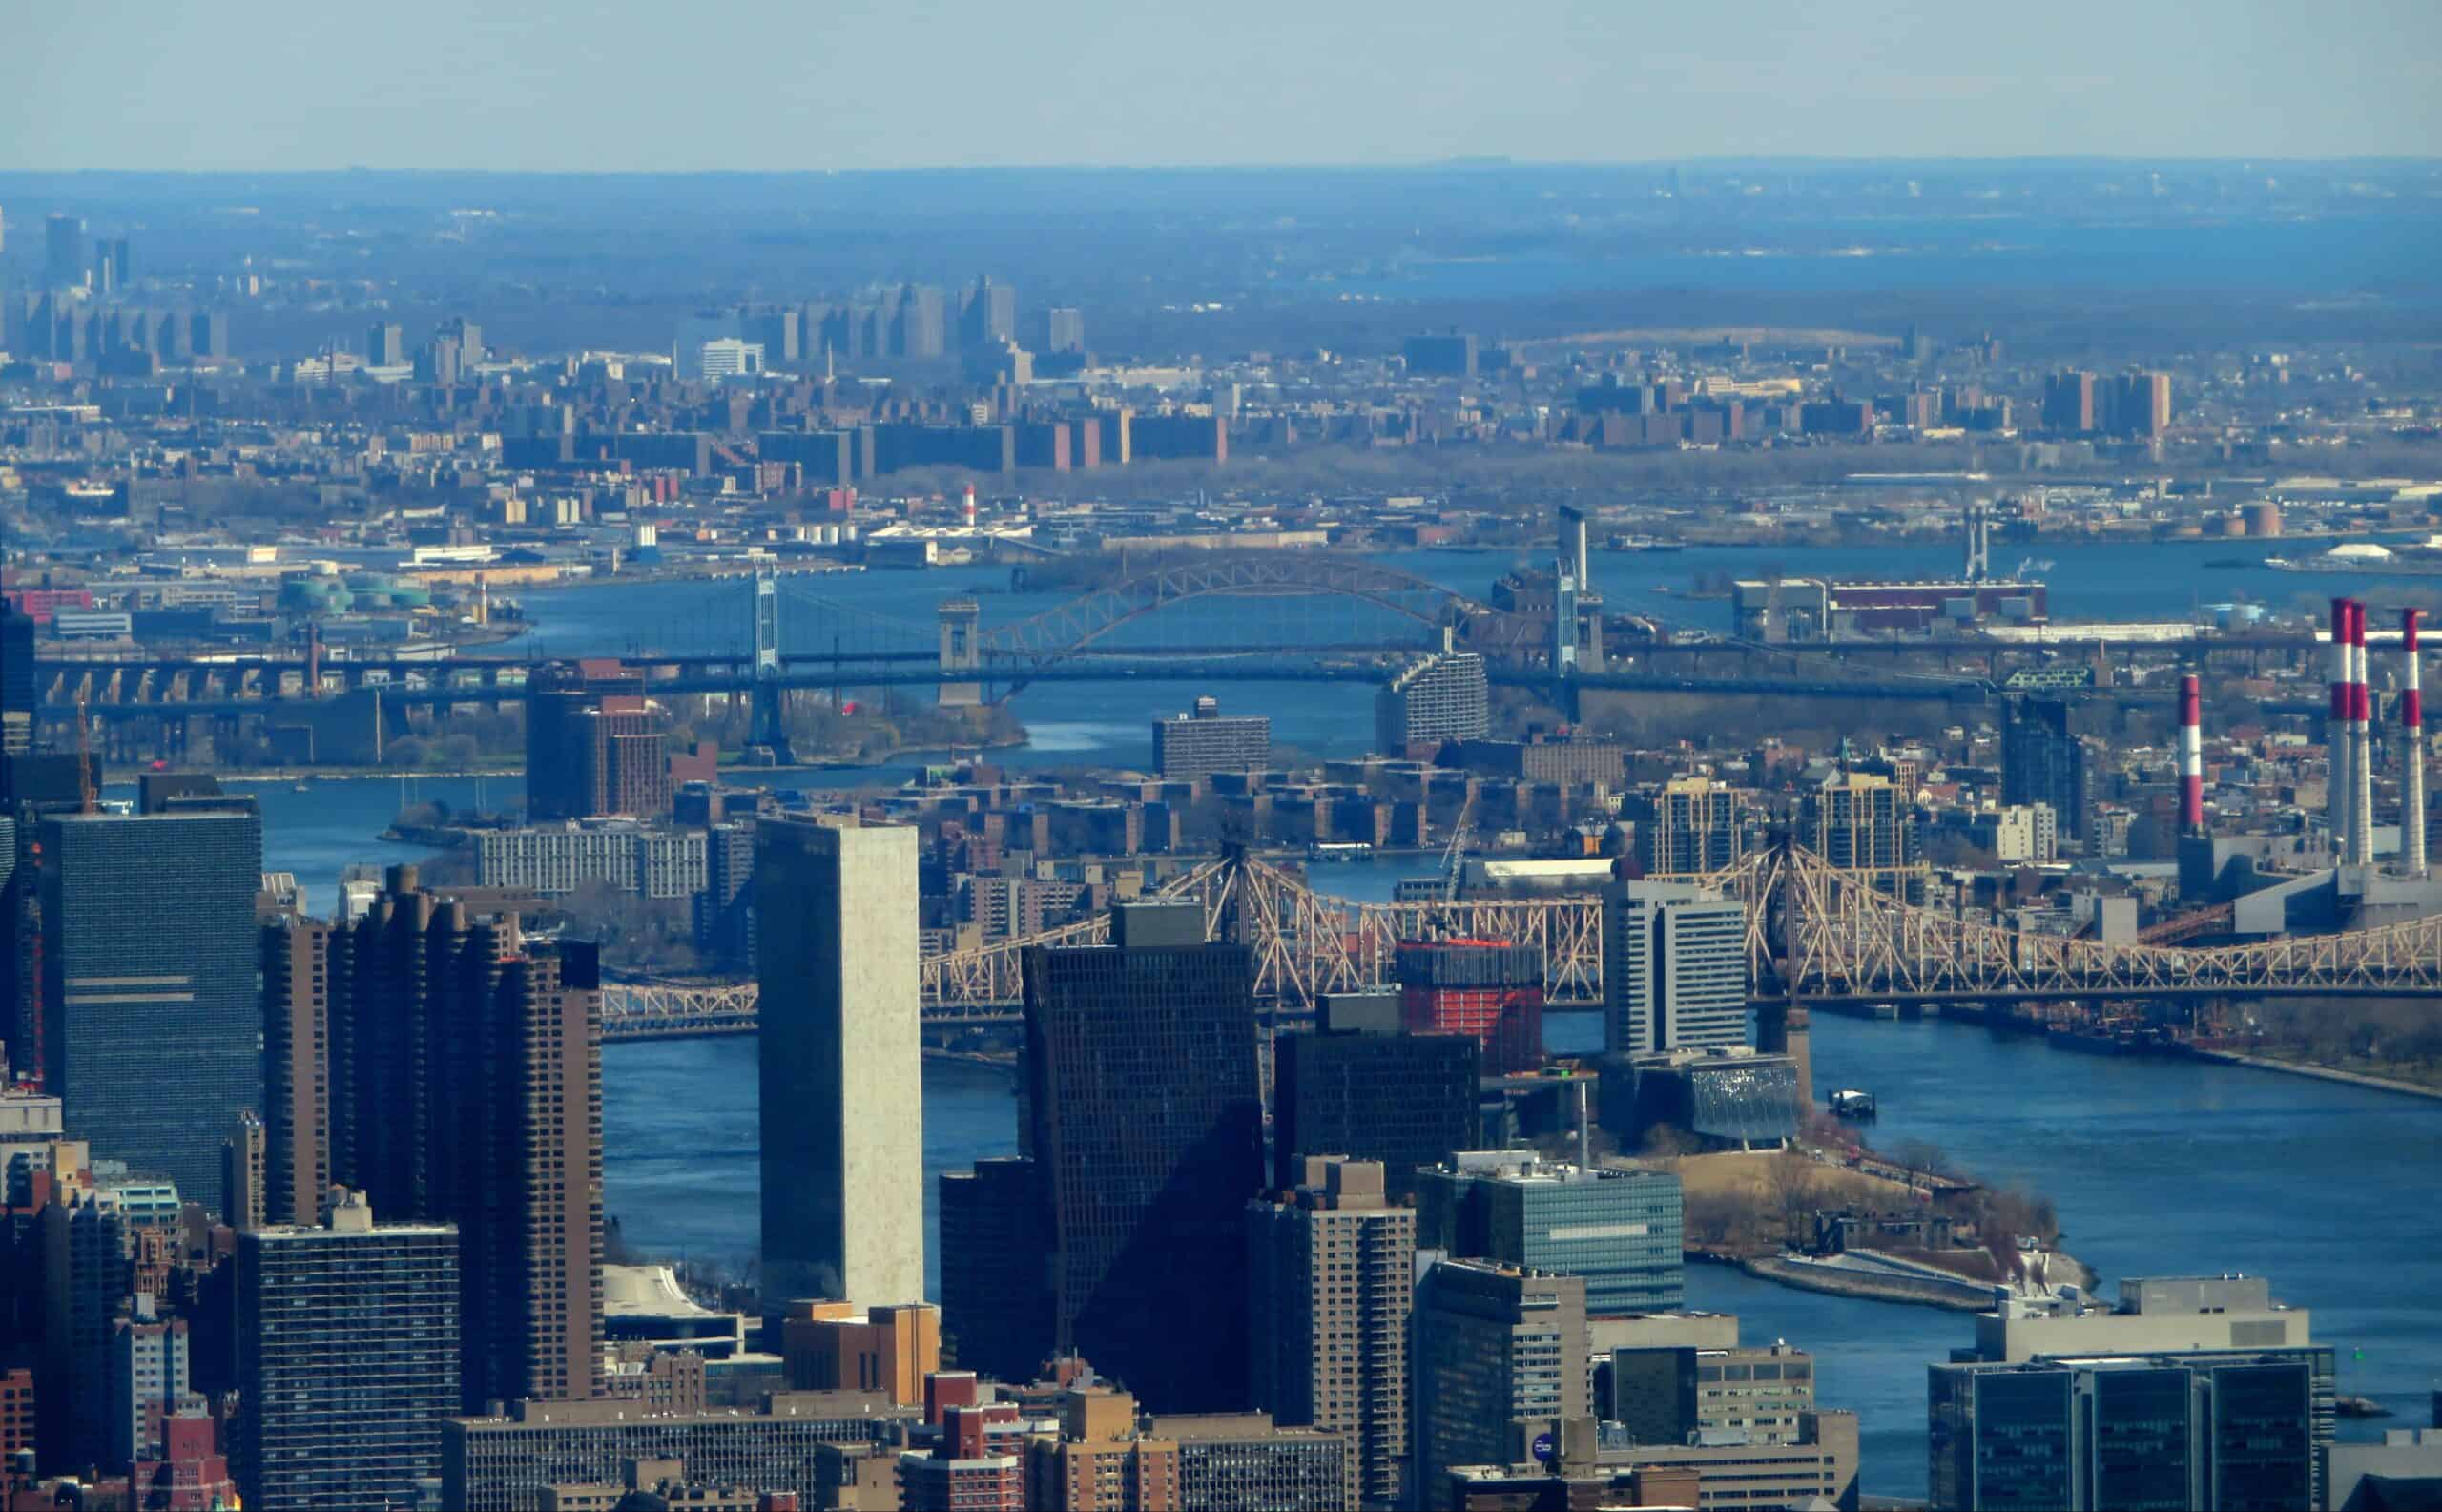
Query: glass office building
[(1620, 1231), (153, 1022)]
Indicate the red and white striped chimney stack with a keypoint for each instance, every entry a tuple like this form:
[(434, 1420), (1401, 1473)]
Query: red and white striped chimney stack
[(966, 507), (2361, 762), (2411, 752), (2336, 732), (2191, 756)]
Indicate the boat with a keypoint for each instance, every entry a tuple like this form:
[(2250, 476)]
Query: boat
[(1850, 1103), (300, 787), (2359, 1407), (2100, 1041)]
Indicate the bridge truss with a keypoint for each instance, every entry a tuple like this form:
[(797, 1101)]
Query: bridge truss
[(1813, 932)]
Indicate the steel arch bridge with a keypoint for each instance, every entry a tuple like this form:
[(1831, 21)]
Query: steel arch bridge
[(1253, 574), (1815, 932)]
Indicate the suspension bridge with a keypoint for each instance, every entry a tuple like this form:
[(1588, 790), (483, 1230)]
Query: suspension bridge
[(1815, 933), (1236, 616)]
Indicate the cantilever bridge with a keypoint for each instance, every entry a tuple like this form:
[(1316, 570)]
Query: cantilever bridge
[(1815, 933)]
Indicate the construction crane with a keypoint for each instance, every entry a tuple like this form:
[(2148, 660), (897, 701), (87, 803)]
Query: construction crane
[(1456, 853)]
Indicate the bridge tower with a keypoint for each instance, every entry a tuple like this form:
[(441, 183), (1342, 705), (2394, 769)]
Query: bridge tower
[(764, 725), (962, 650)]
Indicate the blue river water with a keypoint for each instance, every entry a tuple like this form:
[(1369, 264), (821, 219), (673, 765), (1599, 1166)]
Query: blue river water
[(1079, 724), (2157, 1166)]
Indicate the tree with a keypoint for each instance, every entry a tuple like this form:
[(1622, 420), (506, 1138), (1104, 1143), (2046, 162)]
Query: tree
[(1791, 1179)]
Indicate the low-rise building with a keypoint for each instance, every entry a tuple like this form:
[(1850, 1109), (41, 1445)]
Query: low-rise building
[(557, 858)]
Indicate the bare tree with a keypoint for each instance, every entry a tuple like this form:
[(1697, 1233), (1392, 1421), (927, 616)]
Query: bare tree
[(1792, 1180)]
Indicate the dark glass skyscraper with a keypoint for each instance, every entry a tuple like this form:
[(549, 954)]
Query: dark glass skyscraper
[(17, 685), (2041, 762), (151, 1019), (2197, 1428), (1144, 1120), (996, 1312), (1405, 1100)]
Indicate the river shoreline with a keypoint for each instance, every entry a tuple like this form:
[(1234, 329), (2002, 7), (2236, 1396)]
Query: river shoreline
[(1781, 1271), (2322, 1073)]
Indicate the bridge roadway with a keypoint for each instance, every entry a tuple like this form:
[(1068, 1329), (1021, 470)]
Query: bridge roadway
[(1239, 668), (1815, 933), (222, 664)]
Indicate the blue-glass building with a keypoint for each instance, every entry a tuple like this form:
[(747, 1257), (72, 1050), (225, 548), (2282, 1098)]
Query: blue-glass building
[(2234, 1429), (152, 1021), (1621, 1231)]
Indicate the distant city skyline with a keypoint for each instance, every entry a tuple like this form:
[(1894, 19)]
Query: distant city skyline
[(457, 84)]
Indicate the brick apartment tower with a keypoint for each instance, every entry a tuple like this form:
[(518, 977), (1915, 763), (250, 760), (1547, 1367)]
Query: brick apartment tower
[(464, 1086), (1330, 1283)]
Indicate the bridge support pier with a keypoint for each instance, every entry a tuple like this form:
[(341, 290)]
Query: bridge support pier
[(766, 725), (961, 652), (1783, 1029)]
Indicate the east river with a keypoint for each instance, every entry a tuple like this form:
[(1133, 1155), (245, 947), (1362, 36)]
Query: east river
[(2157, 1166)]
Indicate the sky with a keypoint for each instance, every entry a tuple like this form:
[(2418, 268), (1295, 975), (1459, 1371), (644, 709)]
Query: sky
[(665, 85)]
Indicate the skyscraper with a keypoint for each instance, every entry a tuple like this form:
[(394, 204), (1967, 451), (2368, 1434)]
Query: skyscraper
[(465, 1087), (386, 344), (64, 265), (1861, 819), (918, 324), (2069, 403), (114, 263), (2041, 762), (1674, 968), (244, 1156), (1330, 1282), (592, 748), (1690, 825), (1495, 1346), (996, 1307), (17, 696), (1442, 698), (1402, 1100), (988, 316), (348, 1360), (151, 1357), (1145, 1121), (296, 1123), (147, 990), (1064, 330), (840, 1063), (2222, 1429)]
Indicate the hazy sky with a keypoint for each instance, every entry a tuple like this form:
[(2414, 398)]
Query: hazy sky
[(808, 84)]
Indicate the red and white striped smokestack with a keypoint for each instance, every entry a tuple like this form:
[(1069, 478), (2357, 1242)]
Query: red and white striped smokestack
[(2411, 752), (2361, 759), (2191, 756), (966, 505), (2336, 732)]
